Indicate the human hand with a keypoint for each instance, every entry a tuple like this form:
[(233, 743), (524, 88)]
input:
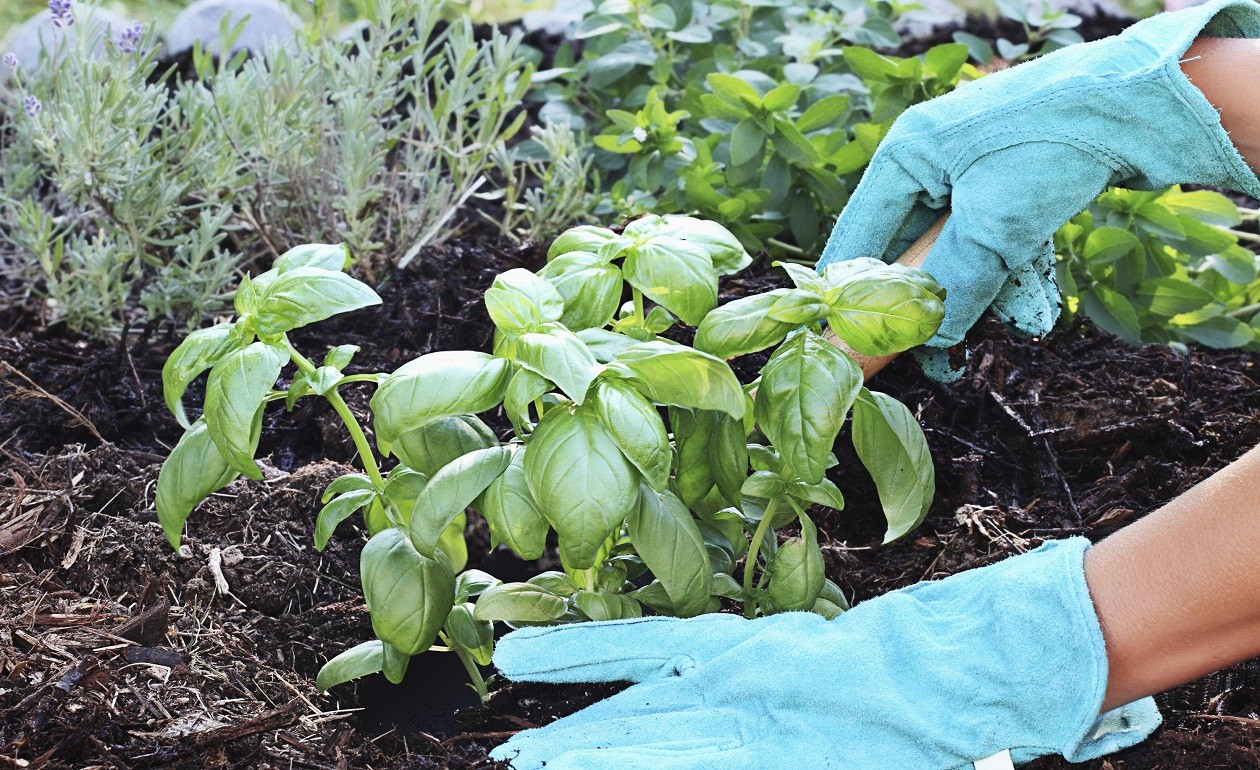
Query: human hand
[(932, 677), (1017, 153)]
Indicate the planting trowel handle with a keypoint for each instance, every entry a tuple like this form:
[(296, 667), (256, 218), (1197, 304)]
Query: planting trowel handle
[(913, 257)]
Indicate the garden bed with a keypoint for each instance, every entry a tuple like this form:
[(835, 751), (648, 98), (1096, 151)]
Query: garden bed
[(117, 652)]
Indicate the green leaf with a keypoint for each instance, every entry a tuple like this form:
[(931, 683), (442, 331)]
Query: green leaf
[(796, 574), (676, 375), (763, 485), (1220, 332), (350, 482), (798, 307), (1204, 205), (792, 144), (519, 603), (451, 490), (394, 663), (355, 663), (782, 97), (591, 289), (582, 482), (725, 251), (733, 90), (440, 441), (891, 445), (340, 356), (606, 345), (472, 583), (806, 390), (408, 595), (824, 493), (305, 295), (511, 512), (511, 312), (1113, 312), (451, 542), (637, 429), (582, 238), (435, 385), (1107, 244), (601, 605), (535, 292), (473, 635), (325, 256), (1235, 264), (237, 388), (199, 351), (675, 274), (743, 326), (338, 510), (524, 387), (881, 312), (194, 471), (559, 355), (1168, 297), (748, 142), (667, 538), (869, 65), (828, 112)]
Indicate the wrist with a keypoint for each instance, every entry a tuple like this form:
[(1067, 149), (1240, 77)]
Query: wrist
[(1216, 66)]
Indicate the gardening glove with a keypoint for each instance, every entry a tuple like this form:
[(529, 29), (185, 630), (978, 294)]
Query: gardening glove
[(1017, 153), (931, 677)]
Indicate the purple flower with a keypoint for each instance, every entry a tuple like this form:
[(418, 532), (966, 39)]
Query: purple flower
[(129, 38), (62, 13), (10, 60), (32, 106)]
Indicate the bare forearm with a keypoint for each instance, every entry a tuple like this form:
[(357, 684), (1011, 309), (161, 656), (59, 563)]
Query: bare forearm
[(1178, 592), (1226, 71)]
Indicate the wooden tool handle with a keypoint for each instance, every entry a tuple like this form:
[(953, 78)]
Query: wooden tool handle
[(913, 257)]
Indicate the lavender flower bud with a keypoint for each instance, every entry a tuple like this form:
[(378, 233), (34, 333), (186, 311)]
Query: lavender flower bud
[(10, 60), (129, 38), (62, 13), (32, 106)]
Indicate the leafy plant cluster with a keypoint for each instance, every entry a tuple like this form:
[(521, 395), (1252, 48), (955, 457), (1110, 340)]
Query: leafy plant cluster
[(657, 471), (1046, 29), (1163, 267), (121, 185), (758, 115)]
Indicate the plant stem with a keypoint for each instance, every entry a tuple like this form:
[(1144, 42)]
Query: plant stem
[(470, 665), (1244, 310), (589, 576), (342, 409), (638, 305), (789, 248), (1249, 213), (1243, 236), (754, 550)]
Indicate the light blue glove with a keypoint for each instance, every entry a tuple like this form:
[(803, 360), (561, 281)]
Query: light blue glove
[(932, 677), (1017, 153)]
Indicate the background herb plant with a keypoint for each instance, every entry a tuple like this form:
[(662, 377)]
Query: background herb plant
[(652, 509), (1163, 267)]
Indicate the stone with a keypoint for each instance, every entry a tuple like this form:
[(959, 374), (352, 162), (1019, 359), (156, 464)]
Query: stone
[(36, 42), (265, 21)]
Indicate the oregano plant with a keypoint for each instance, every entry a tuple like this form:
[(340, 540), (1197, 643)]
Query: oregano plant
[(664, 479)]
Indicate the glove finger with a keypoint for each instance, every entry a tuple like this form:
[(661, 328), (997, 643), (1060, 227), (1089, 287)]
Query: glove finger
[(650, 758), (618, 650), (1029, 300), (972, 274), (888, 210)]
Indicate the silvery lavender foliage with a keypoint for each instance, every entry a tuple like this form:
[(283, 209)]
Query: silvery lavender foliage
[(10, 60), (62, 13), (129, 39), (32, 106)]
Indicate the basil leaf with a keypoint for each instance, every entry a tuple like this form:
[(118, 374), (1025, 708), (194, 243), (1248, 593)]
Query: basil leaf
[(451, 542), (878, 313), (824, 493), (559, 355), (669, 542), (891, 445), (350, 482), (582, 482), (582, 238), (305, 295), (511, 313), (408, 595), (523, 389), (511, 512), (637, 429), (471, 583), (338, 510), (440, 441), (601, 605), (237, 388), (796, 576), (475, 636), (676, 375), (195, 470), (693, 476), (326, 256), (591, 289), (199, 351), (675, 274), (355, 663), (804, 278), (798, 307), (725, 251), (606, 345), (743, 326), (806, 390), (394, 663), (434, 385), (519, 603), (451, 490)]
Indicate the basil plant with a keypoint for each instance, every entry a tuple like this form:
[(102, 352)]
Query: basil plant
[(663, 478)]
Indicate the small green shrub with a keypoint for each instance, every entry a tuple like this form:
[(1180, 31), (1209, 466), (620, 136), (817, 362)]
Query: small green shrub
[(658, 472), (129, 195), (1162, 267)]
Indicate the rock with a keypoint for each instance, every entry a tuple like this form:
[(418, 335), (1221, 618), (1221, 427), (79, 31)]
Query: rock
[(36, 41), (265, 21)]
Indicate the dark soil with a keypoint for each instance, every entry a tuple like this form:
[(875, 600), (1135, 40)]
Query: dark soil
[(118, 652)]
